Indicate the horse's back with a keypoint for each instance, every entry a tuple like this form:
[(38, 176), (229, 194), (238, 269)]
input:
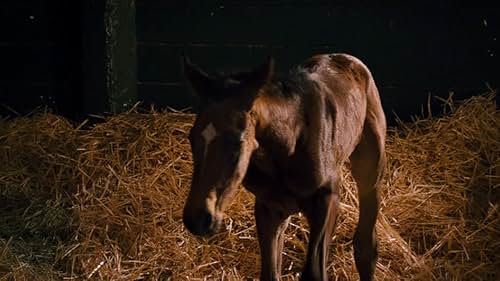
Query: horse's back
[(349, 97)]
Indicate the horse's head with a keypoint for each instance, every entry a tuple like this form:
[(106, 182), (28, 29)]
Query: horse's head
[(222, 141)]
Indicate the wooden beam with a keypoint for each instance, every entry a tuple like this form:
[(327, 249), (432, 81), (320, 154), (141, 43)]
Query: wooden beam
[(108, 55), (121, 59)]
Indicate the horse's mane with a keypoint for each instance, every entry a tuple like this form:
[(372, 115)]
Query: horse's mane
[(283, 84), (294, 83)]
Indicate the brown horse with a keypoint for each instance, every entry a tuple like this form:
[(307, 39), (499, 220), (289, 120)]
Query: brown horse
[(286, 140)]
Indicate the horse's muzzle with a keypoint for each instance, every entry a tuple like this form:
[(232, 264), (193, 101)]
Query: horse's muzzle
[(202, 223)]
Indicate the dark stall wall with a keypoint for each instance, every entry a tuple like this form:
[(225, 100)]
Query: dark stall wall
[(413, 49), (53, 52), (73, 57), (39, 49)]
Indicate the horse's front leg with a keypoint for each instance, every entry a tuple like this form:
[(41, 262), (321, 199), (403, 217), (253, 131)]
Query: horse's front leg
[(271, 226), (321, 211)]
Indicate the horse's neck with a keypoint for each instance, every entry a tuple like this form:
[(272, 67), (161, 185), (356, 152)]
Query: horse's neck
[(279, 120)]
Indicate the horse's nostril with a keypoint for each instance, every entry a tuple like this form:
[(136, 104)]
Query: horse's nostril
[(205, 222), (200, 224)]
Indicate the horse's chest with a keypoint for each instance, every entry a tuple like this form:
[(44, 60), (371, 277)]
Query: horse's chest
[(267, 181), (293, 174), (264, 162)]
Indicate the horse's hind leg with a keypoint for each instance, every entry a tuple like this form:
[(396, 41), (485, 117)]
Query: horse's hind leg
[(368, 163)]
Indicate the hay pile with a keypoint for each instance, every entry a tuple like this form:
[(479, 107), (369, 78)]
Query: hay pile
[(106, 203)]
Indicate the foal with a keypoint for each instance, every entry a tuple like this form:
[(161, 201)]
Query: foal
[(286, 140)]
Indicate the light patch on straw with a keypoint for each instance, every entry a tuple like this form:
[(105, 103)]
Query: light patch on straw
[(208, 134)]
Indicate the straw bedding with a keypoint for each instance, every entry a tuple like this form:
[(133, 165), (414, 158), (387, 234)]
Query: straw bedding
[(105, 203)]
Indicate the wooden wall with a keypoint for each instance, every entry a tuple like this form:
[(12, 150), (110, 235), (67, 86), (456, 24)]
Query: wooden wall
[(39, 56), (414, 49), (73, 57), (49, 56)]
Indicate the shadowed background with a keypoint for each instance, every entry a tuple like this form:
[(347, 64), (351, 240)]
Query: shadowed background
[(54, 53)]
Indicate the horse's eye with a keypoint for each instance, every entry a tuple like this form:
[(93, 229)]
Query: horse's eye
[(235, 156), (233, 140)]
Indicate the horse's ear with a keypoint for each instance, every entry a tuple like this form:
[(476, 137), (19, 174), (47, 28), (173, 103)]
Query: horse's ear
[(199, 81), (257, 79)]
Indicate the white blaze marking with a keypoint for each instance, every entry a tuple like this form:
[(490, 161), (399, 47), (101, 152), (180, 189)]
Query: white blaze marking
[(208, 134)]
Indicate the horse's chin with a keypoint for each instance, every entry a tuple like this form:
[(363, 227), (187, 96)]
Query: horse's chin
[(214, 229)]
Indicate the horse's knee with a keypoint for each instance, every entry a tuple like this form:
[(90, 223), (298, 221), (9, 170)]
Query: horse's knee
[(369, 203), (365, 244)]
